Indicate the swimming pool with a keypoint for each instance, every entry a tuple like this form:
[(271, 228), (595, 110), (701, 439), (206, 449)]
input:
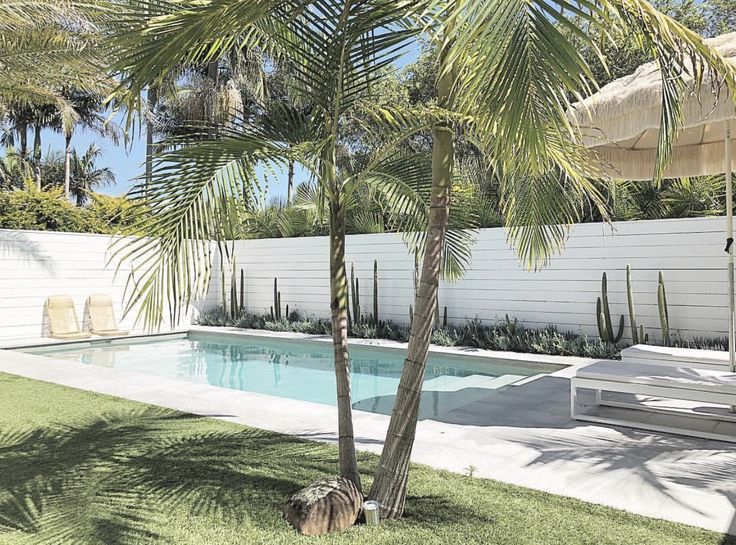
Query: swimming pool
[(301, 369)]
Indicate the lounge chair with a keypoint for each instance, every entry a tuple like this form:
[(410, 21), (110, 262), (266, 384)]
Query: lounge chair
[(706, 386), (101, 317), (63, 322)]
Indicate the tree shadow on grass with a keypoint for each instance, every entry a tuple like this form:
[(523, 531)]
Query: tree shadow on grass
[(434, 510), (116, 478)]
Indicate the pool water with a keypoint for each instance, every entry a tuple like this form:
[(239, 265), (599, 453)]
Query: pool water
[(303, 370)]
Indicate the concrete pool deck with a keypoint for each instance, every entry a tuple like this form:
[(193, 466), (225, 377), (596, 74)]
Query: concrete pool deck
[(520, 434)]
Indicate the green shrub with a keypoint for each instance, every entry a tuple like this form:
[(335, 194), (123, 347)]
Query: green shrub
[(43, 211), (509, 335), (50, 211), (113, 214)]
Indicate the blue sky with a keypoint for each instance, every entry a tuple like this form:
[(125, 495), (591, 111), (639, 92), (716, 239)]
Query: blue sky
[(126, 161)]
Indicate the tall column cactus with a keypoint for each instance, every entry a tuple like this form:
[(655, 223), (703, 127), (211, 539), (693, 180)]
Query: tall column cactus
[(242, 291), (375, 292), (603, 315), (664, 316), (632, 311), (276, 308), (355, 289)]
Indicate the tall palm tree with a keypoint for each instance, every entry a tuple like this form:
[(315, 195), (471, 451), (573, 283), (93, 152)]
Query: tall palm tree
[(47, 46), (334, 49), (86, 113), (86, 175), (508, 64)]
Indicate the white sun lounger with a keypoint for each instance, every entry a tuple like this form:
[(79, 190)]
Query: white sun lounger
[(662, 381), (676, 357)]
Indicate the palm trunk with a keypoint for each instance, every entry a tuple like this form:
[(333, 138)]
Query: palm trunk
[(290, 181), (151, 101), (68, 164), (339, 307), (23, 129), (390, 483), (211, 108), (37, 153)]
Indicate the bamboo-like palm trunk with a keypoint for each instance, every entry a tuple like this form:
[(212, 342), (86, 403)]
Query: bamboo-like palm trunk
[(391, 479), (290, 181), (23, 129), (37, 153), (339, 306), (68, 164)]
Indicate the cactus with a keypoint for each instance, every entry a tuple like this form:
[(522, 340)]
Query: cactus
[(222, 284), (242, 291), (664, 316), (411, 315), (603, 315), (276, 308), (444, 319), (643, 337), (635, 337), (234, 307), (356, 296), (355, 289), (287, 312), (375, 292), (356, 300)]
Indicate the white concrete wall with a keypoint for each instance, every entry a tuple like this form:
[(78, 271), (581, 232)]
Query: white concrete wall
[(690, 252), (37, 264)]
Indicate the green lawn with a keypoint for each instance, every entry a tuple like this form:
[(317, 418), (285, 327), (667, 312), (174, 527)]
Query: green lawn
[(81, 468)]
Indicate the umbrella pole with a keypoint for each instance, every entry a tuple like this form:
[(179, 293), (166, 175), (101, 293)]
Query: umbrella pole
[(729, 230)]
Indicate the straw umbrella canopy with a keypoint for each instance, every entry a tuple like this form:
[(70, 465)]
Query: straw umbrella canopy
[(621, 124)]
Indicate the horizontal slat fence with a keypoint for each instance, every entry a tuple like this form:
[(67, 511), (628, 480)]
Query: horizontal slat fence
[(688, 251), (37, 264), (34, 265)]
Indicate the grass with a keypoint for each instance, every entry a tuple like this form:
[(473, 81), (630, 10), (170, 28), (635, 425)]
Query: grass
[(82, 468)]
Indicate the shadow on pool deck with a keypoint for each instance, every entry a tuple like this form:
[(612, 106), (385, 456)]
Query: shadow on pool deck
[(535, 416)]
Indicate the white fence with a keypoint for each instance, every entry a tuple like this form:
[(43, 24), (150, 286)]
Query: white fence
[(37, 264), (689, 252), (34, 265)]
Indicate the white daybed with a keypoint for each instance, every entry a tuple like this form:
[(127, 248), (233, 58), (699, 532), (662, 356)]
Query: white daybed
[(708, 386)]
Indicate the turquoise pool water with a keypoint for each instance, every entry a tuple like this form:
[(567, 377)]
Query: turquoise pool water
[(302, 370)]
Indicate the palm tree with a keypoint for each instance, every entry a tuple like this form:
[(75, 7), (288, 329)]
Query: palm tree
[(333, 49), (85, 113), (14, 171), (86, 175), (49, 45), (508, 64)]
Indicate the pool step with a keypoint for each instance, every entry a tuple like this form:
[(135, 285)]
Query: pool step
[(455, 384)]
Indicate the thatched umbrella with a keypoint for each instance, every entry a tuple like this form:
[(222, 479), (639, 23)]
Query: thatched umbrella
[(621, 124)]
